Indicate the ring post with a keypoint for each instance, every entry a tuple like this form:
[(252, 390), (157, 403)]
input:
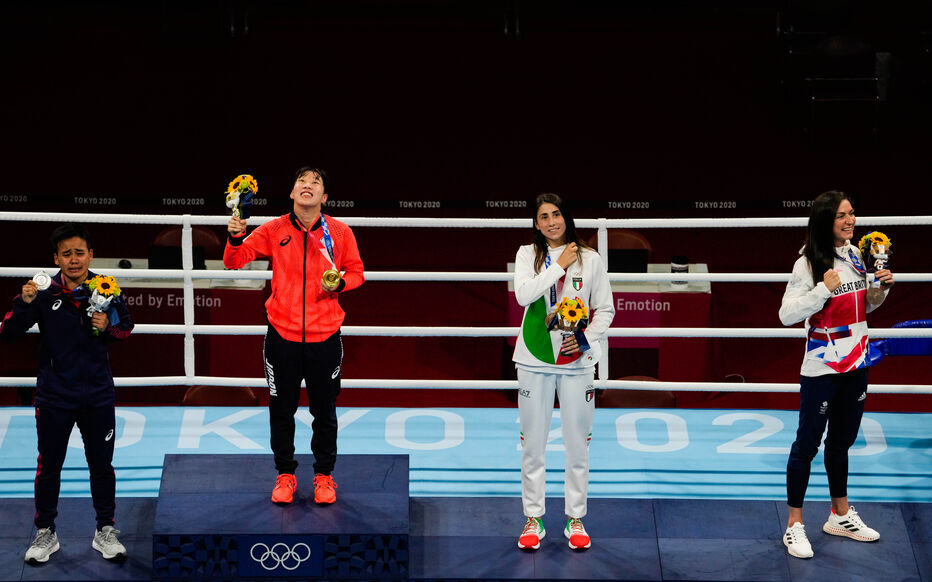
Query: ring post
[(187, 263)]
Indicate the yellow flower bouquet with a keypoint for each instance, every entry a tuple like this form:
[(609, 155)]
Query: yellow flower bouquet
[(875, 248), (103, 290), (874, 242), (240, 193), (104, 286), (571, 318), (572, 314)]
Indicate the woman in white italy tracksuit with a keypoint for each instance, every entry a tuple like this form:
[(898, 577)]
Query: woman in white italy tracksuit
[(555, 266)]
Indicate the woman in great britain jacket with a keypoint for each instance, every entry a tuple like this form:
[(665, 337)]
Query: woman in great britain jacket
[(828, 289)]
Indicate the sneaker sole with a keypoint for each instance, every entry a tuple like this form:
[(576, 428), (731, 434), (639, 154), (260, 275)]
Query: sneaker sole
[(542, 535), (115, 557), (793, 553), (37, 561), (838, 531), (284, 501), (566, 534)]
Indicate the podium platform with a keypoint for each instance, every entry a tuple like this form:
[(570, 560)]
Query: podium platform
[(214, 520), (474, 539)]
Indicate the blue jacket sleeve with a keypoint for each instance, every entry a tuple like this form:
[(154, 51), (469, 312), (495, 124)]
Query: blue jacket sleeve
[(125, 325), (19, 319)]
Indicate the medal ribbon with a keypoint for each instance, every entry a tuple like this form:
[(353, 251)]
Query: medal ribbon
[(855, 262), (553, 288), (327, 248)]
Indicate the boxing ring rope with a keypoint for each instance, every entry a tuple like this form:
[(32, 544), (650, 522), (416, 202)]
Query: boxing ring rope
[(187, 274)]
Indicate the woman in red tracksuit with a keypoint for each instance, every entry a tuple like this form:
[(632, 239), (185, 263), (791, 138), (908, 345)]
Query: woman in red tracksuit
[(303, 339), (828, 289)]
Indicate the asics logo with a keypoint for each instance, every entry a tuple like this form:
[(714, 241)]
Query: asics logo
[(335, 373), (280, 555), (109, 436), (284, 241), (56, 305)]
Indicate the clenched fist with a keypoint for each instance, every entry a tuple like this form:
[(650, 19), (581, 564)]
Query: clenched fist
[(100, 321), (236, 226), (30, 290), (831, 279), (569, 256)]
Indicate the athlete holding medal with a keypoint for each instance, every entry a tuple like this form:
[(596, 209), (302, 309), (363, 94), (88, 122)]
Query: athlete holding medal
[(308, 251), (560, 281)]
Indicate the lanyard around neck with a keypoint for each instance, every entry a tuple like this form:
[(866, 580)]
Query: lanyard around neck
[(553, 288)]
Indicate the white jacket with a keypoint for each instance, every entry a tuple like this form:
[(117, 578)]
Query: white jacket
[(537, 350), (836, 322)]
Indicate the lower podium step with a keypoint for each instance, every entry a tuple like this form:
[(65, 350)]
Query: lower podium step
[(215, 521)]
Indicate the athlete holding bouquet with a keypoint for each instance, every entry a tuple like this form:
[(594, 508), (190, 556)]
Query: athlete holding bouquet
[(74, 385), (560, 281), (829, 290), (308, 250)]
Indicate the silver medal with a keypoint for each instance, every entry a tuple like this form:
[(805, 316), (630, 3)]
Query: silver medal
[(42, 280)]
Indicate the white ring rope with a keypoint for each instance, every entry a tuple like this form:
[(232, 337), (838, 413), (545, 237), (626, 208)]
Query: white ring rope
[(394, 222), (189, 328), (447, 331), (445, 276), (376, 383)]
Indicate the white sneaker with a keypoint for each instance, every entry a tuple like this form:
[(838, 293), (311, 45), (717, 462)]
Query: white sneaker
[(850, 526), (533, 532), (106, 542), (576, 534), (45, 544), (796, 542)]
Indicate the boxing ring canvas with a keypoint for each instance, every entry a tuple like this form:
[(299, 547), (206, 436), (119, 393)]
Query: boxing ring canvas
[(670, 453), (675, 495)]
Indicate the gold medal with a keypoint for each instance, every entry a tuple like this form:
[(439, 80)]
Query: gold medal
[(331, 279)]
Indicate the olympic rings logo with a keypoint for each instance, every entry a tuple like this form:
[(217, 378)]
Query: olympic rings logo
[(280, 555)]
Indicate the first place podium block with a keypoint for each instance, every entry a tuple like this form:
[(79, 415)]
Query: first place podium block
[(215, 521)]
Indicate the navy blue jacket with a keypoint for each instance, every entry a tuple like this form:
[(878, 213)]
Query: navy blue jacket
[(74, 367)]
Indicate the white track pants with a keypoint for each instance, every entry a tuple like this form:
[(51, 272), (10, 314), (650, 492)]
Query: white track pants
[(535, 407)]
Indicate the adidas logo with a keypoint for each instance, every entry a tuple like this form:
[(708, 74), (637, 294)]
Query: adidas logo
[(862, 397)]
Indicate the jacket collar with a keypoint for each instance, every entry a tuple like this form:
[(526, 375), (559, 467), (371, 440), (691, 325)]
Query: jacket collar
[(297, 223)]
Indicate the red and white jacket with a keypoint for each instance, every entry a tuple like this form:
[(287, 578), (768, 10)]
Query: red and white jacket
[(836, 322), (298, 309)]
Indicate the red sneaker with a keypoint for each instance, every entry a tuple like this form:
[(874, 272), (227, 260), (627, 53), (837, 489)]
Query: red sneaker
[(285, 485), (533, 532), (576, 534), (324, 489)]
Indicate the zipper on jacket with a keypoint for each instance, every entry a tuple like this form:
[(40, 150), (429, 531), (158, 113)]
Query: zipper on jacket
[(304, 293)]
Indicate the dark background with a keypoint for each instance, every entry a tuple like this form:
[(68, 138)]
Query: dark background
[(688, 109)]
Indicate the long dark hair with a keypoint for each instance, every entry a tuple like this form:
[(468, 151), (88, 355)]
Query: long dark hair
[(540, 241), (820, 241)]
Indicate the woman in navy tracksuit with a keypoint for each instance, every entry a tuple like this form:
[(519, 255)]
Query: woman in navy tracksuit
[(74, 386)]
